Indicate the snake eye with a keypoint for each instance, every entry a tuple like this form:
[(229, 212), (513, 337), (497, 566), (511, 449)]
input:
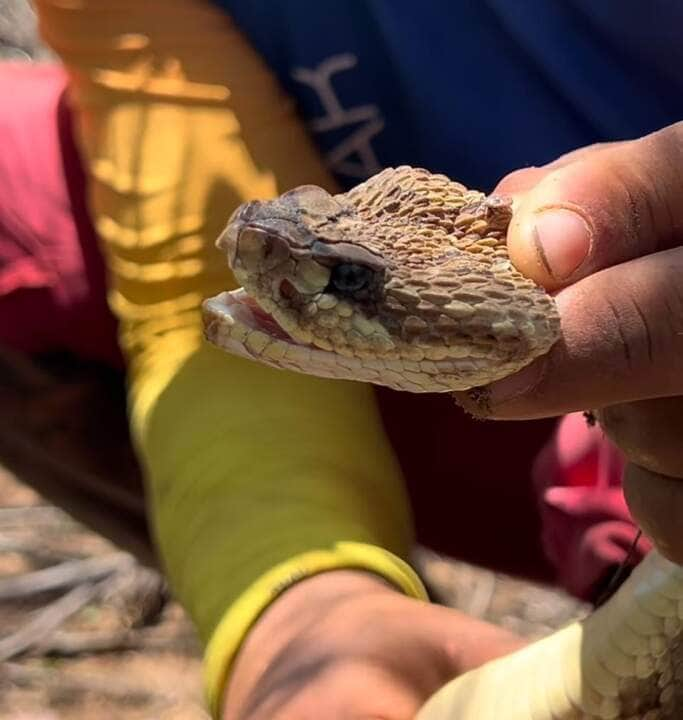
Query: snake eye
[(348, 277)]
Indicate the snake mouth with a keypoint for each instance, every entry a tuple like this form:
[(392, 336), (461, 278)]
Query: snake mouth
[(240, 324), (241, 312), (245, 310), (236, 323)]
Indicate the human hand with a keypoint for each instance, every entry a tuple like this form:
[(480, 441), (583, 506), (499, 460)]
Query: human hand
[(345, 644), (604, 227)]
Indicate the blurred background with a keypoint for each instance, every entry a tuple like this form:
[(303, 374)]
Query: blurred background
[(85, 630)]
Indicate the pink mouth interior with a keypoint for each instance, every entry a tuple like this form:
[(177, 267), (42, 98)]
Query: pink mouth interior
[(248, 312)]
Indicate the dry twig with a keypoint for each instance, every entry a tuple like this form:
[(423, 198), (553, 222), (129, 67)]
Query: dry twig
[(47, 620), (64, 575), (71, 643), (33, 515), (35, 549), (66, 683)]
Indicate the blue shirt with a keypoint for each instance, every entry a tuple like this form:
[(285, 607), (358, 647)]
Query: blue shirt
[(472, 88)]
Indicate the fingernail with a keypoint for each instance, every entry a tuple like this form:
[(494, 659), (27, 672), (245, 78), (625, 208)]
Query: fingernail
[(515, 385), (562, 238)]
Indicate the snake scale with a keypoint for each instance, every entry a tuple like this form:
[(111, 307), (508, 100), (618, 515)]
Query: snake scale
[(405, 281)]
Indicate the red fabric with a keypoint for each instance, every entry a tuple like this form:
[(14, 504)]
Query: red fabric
[(52, 277), (587, 528), (471, 484)]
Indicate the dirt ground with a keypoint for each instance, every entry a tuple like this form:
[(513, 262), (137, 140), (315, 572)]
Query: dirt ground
[(105, 641)]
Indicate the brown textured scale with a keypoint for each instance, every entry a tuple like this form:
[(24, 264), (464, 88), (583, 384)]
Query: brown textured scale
[(404, 281)]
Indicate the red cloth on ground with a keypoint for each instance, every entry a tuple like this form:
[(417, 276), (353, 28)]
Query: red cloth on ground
[(473, 490)]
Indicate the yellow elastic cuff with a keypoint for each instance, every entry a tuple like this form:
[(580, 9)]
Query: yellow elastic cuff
[(245, 611)]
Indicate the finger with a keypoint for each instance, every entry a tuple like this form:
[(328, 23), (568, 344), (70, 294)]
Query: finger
[(650, 433), (656, 503), (521, 181), (622, 340), (605, 207), (525, 179), (584, 152)]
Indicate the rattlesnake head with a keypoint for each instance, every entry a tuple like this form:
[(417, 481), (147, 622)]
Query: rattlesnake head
[(404, 281)]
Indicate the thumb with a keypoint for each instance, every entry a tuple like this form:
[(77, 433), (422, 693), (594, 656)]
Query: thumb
[(605, 208)]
